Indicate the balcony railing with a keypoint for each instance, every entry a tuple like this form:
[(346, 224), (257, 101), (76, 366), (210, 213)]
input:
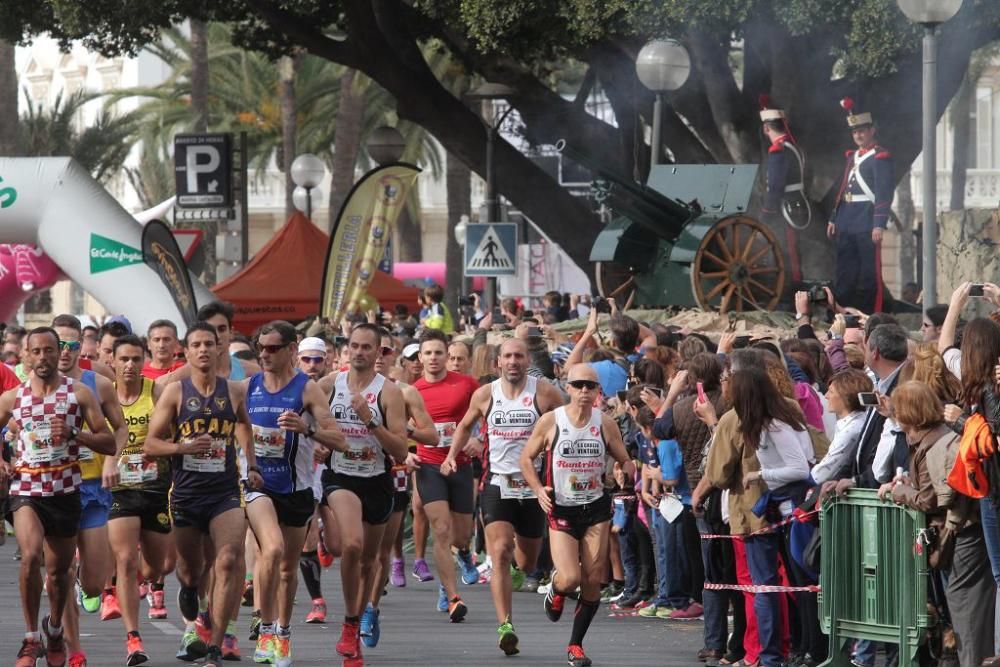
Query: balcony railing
[(982, 188)]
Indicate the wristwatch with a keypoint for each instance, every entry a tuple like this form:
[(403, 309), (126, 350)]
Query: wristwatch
[(799, 316), (373, 423), (253, 468)]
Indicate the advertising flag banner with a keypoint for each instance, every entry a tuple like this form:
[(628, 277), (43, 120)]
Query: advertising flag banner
[(160, 252)]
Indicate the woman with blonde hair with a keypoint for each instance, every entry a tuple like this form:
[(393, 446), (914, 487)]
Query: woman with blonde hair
[(927, 366), (484, 361)]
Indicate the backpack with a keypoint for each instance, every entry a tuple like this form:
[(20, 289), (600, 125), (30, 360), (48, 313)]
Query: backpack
[(968, 476)]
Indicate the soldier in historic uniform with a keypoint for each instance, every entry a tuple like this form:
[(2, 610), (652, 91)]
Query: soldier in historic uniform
[(860, 216)]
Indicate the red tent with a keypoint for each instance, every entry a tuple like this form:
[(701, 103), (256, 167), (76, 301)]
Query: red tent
[(283, 279)]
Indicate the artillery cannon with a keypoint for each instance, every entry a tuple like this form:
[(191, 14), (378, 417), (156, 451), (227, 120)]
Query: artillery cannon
[(685, 239)]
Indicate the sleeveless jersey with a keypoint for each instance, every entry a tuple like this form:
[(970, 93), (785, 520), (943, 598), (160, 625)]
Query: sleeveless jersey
[(365, 457), (236, 370), (91, 463), (215, 471), (135, 471), (576, 460), (285, 458), (509, 423), (42, 467)]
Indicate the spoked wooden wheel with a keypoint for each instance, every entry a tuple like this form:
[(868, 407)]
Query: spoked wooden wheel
[(738, 266), (616, 281)]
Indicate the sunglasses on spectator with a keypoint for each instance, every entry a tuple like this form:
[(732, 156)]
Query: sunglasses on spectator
[(386, 351), (71, 345), (272, 349), (583, 384), (313, 360)]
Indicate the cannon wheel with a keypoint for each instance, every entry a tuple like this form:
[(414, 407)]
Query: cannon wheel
[(616, 281), (739, 266)]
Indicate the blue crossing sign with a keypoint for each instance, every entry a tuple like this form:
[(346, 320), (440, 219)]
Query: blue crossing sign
[(491, 249)]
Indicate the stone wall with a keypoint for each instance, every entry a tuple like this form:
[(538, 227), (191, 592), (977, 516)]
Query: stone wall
[(968, 249)]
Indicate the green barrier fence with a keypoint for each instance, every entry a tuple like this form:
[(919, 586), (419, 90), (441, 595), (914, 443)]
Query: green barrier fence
[(873, 577)]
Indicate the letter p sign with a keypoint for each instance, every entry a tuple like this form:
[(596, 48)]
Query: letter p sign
[(200, 160)]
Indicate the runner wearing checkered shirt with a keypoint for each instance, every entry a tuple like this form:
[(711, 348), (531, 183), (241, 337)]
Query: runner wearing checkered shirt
[(49, 411)]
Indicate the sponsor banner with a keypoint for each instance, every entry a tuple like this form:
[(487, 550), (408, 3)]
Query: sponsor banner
[(107, 254), (160, 252), (360, 235)]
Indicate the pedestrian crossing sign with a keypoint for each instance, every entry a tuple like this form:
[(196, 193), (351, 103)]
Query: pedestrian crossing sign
[(491, 249)]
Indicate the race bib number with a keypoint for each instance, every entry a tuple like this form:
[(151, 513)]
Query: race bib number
[(399, 478), (446, 433), (359, 460), (513, 487), (37, 447), (582, 488), (133, 469), (86, 453), (214, 460), (269, 443)]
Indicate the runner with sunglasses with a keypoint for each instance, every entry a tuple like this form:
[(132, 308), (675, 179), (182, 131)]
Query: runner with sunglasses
[(511, 406), (289, 416), (576, 440)]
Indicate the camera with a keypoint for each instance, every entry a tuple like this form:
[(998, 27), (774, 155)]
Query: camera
[(601, 305), (466, 301), (976, 289), (817, 293), (852, 321)]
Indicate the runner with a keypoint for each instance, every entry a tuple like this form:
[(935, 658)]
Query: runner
[(206, 498), (420, 429), (162, 339), (139, 508), (576, 439), (358, 487), (110, 331), (285, 406), (49, 411), (448, 501), (511, 407)]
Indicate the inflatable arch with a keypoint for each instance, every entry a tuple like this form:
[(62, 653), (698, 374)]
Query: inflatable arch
[(80, 230)]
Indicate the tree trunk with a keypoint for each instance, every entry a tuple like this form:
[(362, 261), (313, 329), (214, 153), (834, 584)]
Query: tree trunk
[(199, 75), (8, 99), (410, 235), (907, 241), (287, 67), (458, 181), (346, 143), (961, 118)]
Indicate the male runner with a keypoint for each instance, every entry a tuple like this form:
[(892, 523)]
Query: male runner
[(285, 406), (576, 440), (420, 429), (358, 486), (49, 411), (460, 357), (448, 501), (162, 339), (139, 508), (110, 331), (198, 422), (511, 406), (99, 474)]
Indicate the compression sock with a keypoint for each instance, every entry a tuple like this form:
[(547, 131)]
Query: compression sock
[(584, 615), (310, 568), (352, 620), (187, 600)]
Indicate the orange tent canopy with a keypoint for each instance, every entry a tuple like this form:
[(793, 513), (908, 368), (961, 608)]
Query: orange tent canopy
[(283, 279)]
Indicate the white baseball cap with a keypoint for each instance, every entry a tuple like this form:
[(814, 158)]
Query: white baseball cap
[(410, 351), (312, 344)]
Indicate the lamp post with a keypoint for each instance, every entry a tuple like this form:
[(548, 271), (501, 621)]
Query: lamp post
[(930, 14), (307, 173), (662, 65), (385, 145), (492, 91)]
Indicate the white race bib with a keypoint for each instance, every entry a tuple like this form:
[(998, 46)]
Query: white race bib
[(37, 447), (446, 433), (268, 443), (214, 460), (133, 469), (513, 486)]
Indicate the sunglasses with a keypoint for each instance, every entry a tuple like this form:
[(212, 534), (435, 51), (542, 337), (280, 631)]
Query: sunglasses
[(71, 345), (313, 360), (386, 351), (583, 384), (271, 349)]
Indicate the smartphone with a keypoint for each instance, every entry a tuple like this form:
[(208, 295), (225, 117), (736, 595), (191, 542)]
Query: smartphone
[(657, 390), (701, 393), (868, 399), (498, 317), (976, 289), (601, 305), (741, 342), (621, 396), (852, 321)]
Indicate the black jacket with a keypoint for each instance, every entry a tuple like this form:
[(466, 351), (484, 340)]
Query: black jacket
[(871, 433)]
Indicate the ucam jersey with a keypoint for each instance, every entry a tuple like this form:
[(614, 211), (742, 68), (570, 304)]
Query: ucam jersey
[(576, 472), (285, 458), (364, 456)]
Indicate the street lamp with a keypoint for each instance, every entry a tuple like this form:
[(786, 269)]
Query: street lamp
[(930, 14), (385, 145), (308, 171), (489, 92), (662, 65)]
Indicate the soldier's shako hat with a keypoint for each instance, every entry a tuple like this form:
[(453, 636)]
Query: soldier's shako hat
[(767, 112), (855, 120)]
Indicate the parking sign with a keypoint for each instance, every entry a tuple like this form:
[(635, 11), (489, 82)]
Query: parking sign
[(203, 164)]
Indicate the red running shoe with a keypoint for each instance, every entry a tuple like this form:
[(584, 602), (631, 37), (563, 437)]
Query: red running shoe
[(325, 557), (553, 605), (157, 608), (109, 606), (135, 653), (575, 657), (230, 648), (31, 651), (349, 645), (318, 613)]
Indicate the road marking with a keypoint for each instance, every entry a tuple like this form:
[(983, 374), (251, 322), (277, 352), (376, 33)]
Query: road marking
[(167, 628)]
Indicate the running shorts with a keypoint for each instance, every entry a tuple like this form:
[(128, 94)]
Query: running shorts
[(576, 519), (95, 502), (293, 509), (376, 493), (456, 488), (198, 512), (153, 509), (525, 515), (59, 515)]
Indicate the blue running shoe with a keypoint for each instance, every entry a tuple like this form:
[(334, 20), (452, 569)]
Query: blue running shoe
[(442, 600), (370, 630), (470, 575)]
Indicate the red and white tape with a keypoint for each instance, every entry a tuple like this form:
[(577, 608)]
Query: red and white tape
[(744, 588), (766, 529)]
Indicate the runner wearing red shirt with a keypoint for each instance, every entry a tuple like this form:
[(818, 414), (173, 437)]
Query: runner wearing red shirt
[(448, 501), (163, 345)]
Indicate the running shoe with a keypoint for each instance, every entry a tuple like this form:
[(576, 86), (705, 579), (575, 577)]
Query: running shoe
[(230, 648), (55, 647), (457, 610), (612, 593), (470, 574), (553, 605), (517, 577), (31, 651), (575, 657), (192, 647), (653, 610), (157, 607), (349, 645), (109, 606), (693, 612), (213, 658), (77, 660), (135, 653), (143, 589), (421, 572), (508, 639), (397, 573), (264, 652), (17, 554), (89, 604), (203, 626), (325, 557), (247, 593), (530, 585), (442, 600), (318, 613), (370, 630), (282, 651)]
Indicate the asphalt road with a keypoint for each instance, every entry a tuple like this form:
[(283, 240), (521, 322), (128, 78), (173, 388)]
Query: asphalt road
[(413, 631)]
